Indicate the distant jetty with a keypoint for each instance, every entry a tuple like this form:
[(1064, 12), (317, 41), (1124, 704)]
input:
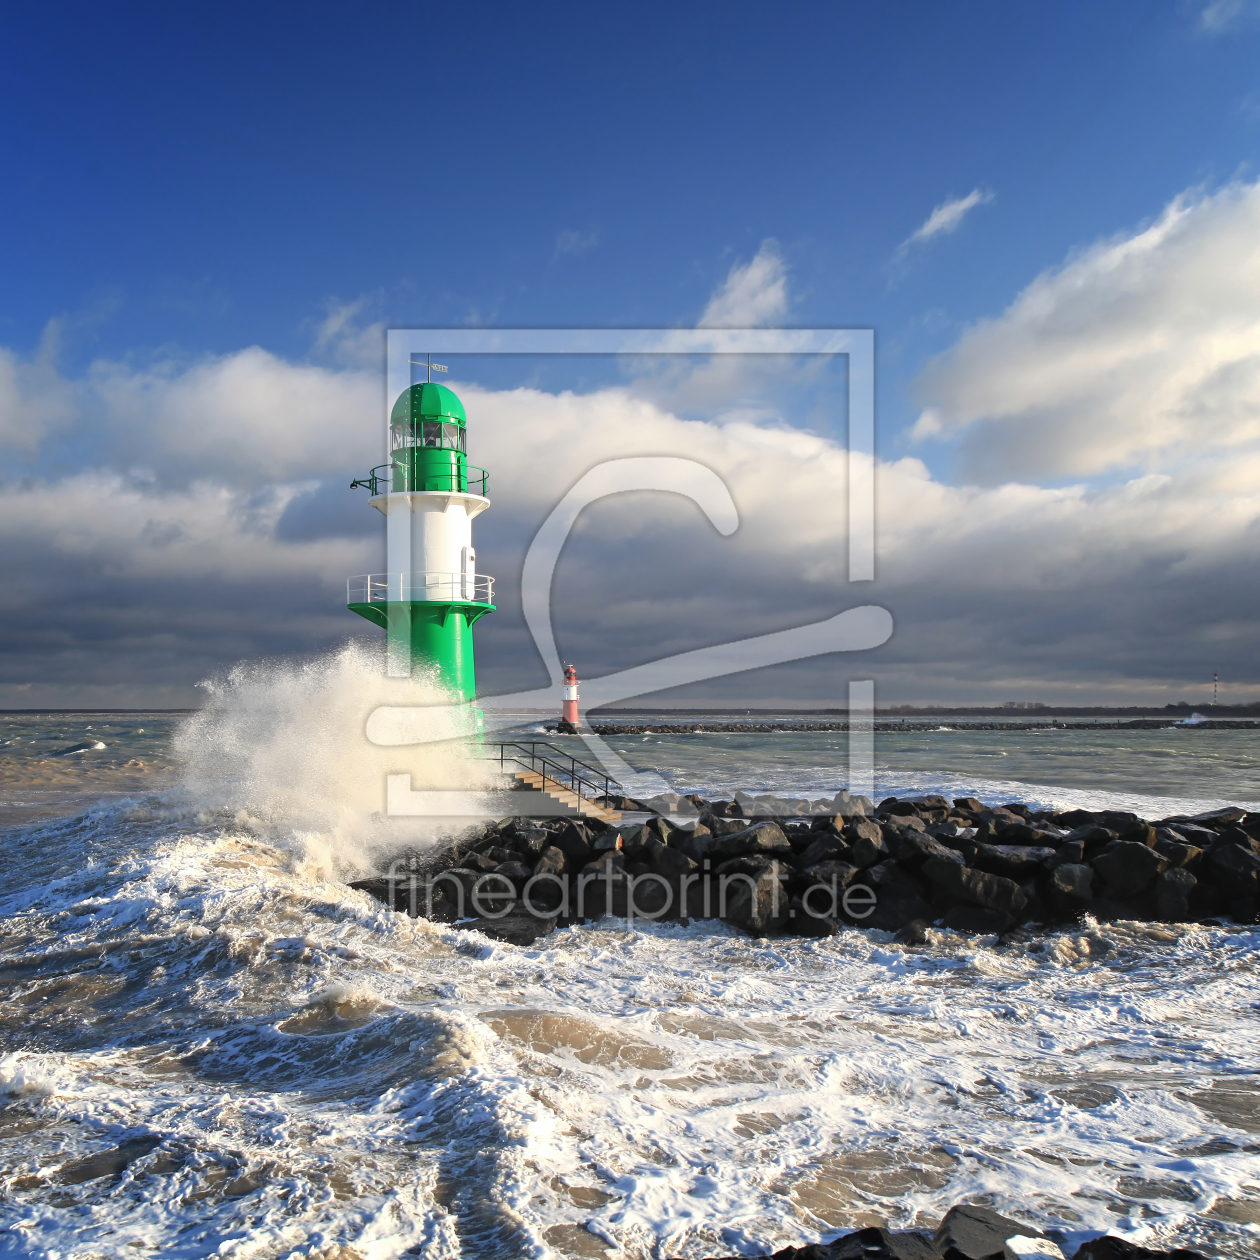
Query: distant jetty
[(718, 727)]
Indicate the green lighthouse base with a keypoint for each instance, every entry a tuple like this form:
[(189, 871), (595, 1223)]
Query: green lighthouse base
[(435, 635)]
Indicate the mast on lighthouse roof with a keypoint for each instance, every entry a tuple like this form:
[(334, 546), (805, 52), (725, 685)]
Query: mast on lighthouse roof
[(429, 494)]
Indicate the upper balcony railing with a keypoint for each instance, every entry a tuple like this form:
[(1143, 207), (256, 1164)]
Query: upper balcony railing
[(474, 480), (433, 588)]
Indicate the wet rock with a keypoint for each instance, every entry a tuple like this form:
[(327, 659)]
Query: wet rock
[(977, 1233), (1178, 852), (1173, 890), (863, 829), (825, 872), (1109, 1247), (847, 806), (1073, 852), (977, 888), (1129, 868), (517, 927), (871, 850), (573, 840), (1070, 888), (550, 862), (517, 872), (875, 1243), (531, 840), (1018, 862), (758, 903), (1234, 868), (763, 837), (914, 933), (976, 920), (895, 906), (968, 803), (825, 848), (912, 849), (809, 920), (666, 861)]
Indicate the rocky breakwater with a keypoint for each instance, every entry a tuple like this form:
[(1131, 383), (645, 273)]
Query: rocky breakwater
[(970, 1232), (808, 868)]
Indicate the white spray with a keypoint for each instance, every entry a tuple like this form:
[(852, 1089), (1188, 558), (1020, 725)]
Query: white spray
[(281, 747)]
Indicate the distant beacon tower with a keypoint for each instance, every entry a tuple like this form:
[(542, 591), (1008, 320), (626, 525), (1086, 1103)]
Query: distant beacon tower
[(570, 711), (429, 494)]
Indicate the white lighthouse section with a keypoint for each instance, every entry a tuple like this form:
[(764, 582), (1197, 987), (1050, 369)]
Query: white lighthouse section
[(429, 547)]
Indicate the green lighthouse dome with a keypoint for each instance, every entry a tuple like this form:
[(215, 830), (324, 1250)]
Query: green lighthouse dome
[(428, 401)]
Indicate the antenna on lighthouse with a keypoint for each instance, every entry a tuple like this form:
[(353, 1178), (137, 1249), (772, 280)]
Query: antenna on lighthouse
[(430, 367)]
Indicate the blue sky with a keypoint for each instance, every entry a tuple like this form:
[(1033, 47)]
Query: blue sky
[(184, 184)]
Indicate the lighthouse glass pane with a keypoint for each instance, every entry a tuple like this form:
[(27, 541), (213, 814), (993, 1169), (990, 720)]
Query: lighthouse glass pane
[(432, 433)]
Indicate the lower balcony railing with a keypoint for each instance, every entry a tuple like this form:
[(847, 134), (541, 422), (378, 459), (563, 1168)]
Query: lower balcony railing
[(376, 588)]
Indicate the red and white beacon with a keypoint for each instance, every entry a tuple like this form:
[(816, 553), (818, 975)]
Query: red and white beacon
[(569, 713)]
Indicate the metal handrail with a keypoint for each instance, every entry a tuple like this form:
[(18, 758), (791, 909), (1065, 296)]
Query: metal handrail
[(377, 483), (587, 782), (435, 588)]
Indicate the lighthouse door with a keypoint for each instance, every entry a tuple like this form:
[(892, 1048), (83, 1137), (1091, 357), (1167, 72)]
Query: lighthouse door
[(468, 577)]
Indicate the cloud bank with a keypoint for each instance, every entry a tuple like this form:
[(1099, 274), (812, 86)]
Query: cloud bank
[(216, 523)]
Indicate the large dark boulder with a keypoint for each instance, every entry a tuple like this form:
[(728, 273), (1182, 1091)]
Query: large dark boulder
[(1233, 865), (551, 861), (1129, 867), (842, 873), (871, 850), (1018, 862), (1173, 890), (758, 904), (1070, 889), (762, 837), (573, 840), (825, 848), (912, 849), (518, 927), (1109, 1247), (882, 1244), (969, 1232), (977, 888), (667, 861), (863, 829), (895, 906)]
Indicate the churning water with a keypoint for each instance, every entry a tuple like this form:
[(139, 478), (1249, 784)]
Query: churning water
[(213, 1046)]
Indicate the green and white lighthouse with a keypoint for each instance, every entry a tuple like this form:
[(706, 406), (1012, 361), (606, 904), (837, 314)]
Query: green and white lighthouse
[(432, 595)]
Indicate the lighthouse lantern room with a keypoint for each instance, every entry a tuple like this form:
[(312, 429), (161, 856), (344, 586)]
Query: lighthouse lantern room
[(428, 493)]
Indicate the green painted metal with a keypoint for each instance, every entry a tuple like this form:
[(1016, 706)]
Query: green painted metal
[(428, 440), (438, 636), (428, 401), (428, 437)]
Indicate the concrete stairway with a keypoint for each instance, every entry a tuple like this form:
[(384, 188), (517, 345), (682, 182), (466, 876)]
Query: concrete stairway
[(583, 806)]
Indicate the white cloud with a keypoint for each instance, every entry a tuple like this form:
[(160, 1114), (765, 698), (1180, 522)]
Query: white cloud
[(1224, 15), (946, 218), (1140, 351), (249, 418), (571, 241), (34, 399), (753, 295)]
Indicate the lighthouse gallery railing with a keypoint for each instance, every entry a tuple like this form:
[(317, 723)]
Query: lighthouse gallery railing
[(476, 481), (435, 588)]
